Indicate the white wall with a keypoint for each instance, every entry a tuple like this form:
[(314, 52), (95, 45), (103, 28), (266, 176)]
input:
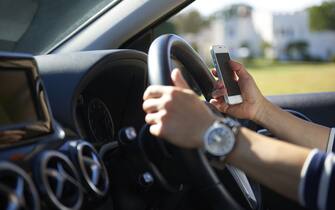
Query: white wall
[(289, 28), (295, 27), (235, 32), (322, 44)]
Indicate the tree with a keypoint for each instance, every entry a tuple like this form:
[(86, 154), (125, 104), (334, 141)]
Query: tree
[(322, 17), (166, 27), (191, 22), (237, 10), (264, 47), (297, 50)]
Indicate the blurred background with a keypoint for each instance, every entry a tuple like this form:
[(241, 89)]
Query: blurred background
[(288, 46)]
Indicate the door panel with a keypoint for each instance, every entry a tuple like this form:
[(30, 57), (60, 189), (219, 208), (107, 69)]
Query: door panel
[(319, 107)]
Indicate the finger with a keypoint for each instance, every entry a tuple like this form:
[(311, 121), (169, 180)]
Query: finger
[(220, 104), (154, 91), (219, 84), (151, 105), (219, 93), (235, 66), (178, 79), (236, 77), (152, 118), (215, 74), (156, 130), (219, 100), (156, 117), (239, 69), (234, 110), (215, 102)]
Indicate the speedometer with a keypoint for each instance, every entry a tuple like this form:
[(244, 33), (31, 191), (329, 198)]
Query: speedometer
[(100, 121)]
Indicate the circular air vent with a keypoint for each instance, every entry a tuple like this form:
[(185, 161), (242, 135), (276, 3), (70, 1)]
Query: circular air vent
[(92, 168), (59, 181), (17, 190)]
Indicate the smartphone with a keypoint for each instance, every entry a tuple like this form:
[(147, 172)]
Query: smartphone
[(221, 58)]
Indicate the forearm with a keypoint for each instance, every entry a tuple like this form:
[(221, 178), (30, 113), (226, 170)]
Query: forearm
[(293, 129), (275, 164)]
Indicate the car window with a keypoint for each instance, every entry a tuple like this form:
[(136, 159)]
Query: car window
[(289, 47), (35, 26)]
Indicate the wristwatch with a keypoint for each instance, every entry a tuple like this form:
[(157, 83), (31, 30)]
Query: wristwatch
[(219, 139)]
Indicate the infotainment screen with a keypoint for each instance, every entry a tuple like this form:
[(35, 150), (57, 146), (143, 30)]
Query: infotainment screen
[(16, 98), (24, 110)]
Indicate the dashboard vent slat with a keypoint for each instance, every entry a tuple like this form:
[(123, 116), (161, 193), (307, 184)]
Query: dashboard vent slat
[(17, 190), (92, 168), (59, 181)]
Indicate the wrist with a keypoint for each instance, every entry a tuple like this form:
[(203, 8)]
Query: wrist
[(242, 146), (264, 110)]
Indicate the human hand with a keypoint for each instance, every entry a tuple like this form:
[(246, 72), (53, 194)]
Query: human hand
[(253, 100), (175, 113)]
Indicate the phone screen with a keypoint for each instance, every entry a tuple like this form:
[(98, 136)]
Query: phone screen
[(227, 74)]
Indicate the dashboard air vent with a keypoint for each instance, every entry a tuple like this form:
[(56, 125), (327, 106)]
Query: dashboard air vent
[(17, 191), (59, 181), (92, 168)]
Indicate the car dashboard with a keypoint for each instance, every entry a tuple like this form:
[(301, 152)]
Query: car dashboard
[(77, 82), (88, 157), (85, 100)]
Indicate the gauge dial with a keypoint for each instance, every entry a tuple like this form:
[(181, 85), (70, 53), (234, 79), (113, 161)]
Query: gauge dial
[(100, 121)]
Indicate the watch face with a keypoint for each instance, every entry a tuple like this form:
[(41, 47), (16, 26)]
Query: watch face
[(220, 141)]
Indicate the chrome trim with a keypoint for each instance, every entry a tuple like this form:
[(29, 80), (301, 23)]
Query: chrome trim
[(298, 114), (146, 179), (130, 133), (61, 176), (92, 168), (244, 185), (17, 199), (264, 132)]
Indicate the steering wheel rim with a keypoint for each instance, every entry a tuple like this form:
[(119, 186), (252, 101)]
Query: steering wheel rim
[(160, 65), (159, 69)]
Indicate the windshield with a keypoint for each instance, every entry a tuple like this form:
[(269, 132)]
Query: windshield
[(36, 26)]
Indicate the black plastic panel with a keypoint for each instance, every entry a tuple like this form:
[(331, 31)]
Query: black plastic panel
[(67, 75), (319, 107)]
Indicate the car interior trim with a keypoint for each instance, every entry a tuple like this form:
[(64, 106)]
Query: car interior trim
[(303, 176), (75, 71), (330, 145), (82, 26), (118, 25)]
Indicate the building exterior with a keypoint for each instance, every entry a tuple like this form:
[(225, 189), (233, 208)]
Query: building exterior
[(250, 33), (287, 30), (232, 27)]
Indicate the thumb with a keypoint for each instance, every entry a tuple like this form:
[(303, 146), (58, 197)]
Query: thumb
[(178, 79)]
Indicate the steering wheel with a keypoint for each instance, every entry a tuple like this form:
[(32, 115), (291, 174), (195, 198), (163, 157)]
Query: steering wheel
[(161, 52)]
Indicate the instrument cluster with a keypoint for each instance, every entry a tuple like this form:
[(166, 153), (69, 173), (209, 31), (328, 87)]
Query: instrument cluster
[(96, 121)]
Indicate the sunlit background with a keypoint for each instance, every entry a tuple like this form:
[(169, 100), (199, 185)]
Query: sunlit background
[(288, 46)]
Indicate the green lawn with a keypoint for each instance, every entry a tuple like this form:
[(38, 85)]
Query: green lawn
[(286, 78)]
